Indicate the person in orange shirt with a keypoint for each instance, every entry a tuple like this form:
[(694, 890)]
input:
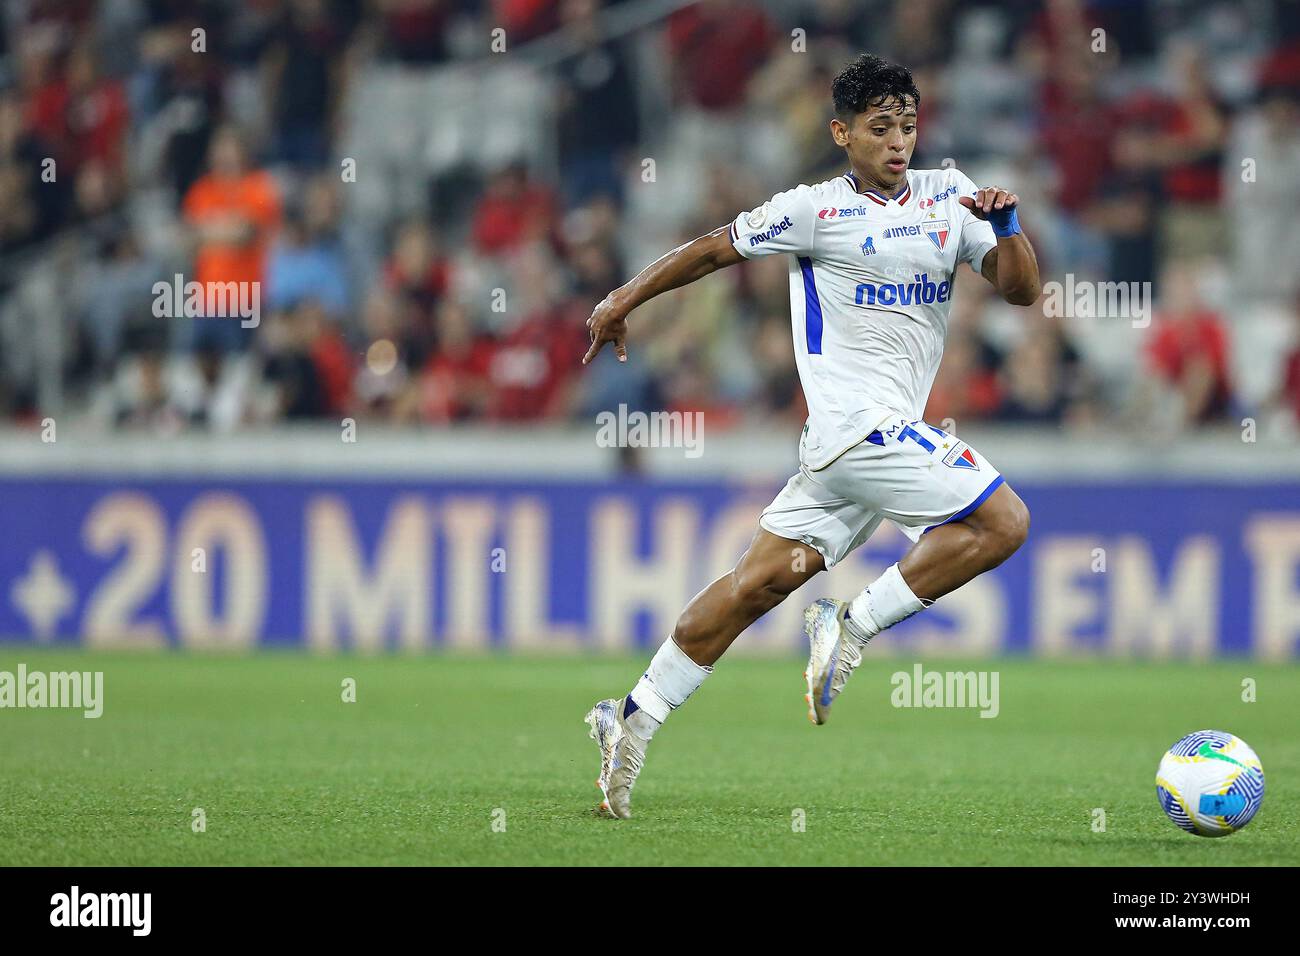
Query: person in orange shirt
[(233, 211)]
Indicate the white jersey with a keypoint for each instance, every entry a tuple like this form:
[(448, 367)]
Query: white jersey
[(871, 283)]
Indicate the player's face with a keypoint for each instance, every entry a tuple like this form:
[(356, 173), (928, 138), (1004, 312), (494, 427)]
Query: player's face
[(880, 141)]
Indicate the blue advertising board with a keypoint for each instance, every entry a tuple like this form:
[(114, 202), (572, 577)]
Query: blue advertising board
[(1124, 569)]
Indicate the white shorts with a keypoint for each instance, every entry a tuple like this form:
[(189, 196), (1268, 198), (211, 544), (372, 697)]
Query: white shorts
[(909, 472)]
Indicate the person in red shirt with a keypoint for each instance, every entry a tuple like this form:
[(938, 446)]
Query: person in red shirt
[(82, 115), (416, 268), (1180, 138), (1188, 348), (512, 210), (531, 372), (454, 385), (330, 355), (717, 47), (1076, 124), (1289, 399), (1291, 386)]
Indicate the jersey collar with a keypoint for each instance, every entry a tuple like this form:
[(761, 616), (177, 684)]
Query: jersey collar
[(878, 197)]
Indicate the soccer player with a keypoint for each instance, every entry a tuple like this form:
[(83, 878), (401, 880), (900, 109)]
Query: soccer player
[(872, 260)]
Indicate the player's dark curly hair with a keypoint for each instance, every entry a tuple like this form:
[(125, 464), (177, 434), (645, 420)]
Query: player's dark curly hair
[(872, 81)]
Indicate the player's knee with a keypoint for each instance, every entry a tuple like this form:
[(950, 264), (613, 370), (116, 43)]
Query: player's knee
[(752, 592), (691, 627), (1010, 532), (760, 590)]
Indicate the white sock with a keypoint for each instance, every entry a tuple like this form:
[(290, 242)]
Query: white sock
[(667, 682), (883, 603)]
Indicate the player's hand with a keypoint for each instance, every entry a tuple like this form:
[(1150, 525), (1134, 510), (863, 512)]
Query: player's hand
[(988, 199), (608, 323)]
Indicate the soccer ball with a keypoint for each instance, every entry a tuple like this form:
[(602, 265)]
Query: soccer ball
[(1210, 783)]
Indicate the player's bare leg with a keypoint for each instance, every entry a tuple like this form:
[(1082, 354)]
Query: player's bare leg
[(952, 554), (943, 560), (770, 570)]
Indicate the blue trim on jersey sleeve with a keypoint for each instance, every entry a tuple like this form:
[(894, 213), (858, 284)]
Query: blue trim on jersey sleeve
[(970, 508), (812, 308)]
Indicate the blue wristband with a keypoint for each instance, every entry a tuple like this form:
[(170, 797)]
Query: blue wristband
[(1005, 223)]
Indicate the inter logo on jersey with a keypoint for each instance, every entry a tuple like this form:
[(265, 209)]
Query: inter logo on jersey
[(937, 230), (961, 457)]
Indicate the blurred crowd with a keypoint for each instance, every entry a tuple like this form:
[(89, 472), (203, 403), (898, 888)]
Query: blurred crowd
[(431, 196)]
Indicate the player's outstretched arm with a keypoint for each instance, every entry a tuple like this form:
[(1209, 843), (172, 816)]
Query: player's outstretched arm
[(1012, 267), (682, 266)]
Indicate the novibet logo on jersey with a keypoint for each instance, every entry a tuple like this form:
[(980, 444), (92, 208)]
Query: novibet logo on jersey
[(920, 291), (772, 233)]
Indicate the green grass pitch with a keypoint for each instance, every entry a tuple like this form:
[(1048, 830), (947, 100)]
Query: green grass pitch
[(437, 749)]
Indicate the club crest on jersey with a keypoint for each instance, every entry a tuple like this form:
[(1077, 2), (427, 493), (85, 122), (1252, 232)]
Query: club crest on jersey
[(937, 230), (869, 247), (960, 456)]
